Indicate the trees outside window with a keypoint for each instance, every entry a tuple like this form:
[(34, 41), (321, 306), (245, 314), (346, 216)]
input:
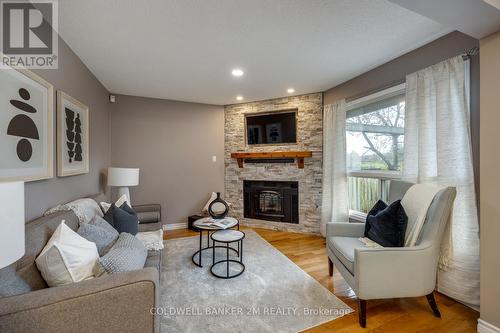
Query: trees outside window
[(375, 143)]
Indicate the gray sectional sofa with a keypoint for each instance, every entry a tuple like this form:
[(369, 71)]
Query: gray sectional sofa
[(120, 302)]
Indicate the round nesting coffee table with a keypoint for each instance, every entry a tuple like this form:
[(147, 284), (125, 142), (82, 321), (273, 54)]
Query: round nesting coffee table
[(227, 237), (209, 225)]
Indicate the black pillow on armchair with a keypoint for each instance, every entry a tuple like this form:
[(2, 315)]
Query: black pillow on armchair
[(386, 225)]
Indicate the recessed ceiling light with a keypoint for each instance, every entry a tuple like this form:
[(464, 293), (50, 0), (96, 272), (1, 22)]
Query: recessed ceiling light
[(237, 72), (239, 98), (290, 90)]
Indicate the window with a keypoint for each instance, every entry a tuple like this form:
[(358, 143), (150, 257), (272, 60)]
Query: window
[(375, 143)]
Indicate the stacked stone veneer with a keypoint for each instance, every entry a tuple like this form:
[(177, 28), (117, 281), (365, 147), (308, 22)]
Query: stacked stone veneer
[(309, 137)]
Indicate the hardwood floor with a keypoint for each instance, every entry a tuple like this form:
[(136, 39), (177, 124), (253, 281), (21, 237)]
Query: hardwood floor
[(395, 315)]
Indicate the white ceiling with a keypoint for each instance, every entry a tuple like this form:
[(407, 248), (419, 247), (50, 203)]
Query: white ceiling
[(185, 49), (473, 17)]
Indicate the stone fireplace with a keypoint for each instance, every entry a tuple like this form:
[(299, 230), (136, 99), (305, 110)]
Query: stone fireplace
[(273, 207)]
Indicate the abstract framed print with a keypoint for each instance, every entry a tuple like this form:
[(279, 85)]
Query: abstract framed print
[(72, 136), (26, 126)]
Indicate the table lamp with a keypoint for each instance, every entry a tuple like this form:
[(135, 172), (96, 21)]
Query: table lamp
[(11, 222), (123, 178)]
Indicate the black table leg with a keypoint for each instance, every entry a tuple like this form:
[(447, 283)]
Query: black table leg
[(201, 236), (209, 246), (238, 260), (213, 253), (227, 257)]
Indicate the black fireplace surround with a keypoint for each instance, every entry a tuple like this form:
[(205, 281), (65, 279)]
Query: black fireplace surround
[(276, 201)]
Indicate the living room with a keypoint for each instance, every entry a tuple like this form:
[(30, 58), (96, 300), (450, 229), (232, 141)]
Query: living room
[(257, 166)]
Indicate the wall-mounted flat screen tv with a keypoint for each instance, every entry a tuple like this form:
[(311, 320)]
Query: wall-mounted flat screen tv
[(272, 128)]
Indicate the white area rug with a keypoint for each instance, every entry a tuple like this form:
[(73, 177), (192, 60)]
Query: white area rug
[(272, 295)]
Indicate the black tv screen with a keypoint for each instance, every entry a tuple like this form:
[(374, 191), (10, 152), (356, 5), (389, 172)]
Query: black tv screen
[(274, 128)]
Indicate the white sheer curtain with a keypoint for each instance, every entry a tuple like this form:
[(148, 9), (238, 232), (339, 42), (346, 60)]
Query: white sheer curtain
[(438, 151), (334, 199)]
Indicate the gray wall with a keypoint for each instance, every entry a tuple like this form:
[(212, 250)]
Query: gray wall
[(396, 70), (172, 143), (490, 182), (74, 78)]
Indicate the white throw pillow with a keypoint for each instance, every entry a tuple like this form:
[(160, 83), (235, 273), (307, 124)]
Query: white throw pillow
[(121, 200), (67, 257)]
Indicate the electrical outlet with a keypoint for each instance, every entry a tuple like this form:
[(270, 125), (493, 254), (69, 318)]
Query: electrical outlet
[(214, 158)]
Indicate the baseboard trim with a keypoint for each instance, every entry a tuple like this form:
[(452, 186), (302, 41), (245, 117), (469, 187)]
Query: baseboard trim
[(175, 226), (485, 327)]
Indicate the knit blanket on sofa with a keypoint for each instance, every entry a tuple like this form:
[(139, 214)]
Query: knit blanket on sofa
[(85, 209)]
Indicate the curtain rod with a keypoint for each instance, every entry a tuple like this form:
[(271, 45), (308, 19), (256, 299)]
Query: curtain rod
[(470, 53), (467, 55)]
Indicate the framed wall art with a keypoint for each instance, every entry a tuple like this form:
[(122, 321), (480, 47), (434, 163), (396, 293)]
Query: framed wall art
[(26, 126), (72, 136)]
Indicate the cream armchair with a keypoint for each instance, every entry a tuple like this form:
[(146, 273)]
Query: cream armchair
[(391, 272)]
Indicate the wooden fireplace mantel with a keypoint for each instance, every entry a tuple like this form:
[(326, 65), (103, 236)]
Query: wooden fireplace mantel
[(298, 155)]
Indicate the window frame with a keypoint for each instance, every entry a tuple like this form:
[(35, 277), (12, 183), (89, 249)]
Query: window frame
[(382, 176), (379, 95)]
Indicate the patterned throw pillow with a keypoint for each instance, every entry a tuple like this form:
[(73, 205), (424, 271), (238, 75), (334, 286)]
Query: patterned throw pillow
[(100, 232), (127, 254)]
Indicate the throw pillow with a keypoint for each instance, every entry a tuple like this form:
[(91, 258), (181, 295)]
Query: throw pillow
[(105, 205), (102, 223), (386, 225), (67, 257), (122, 220), (128, 209), (127, 254), (100, 232), (379, 206)]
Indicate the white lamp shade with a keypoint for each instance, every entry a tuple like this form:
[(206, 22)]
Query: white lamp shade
[(11, 222), (123, 177)]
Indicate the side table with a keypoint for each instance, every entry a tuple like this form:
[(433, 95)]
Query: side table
[(206, 225)]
